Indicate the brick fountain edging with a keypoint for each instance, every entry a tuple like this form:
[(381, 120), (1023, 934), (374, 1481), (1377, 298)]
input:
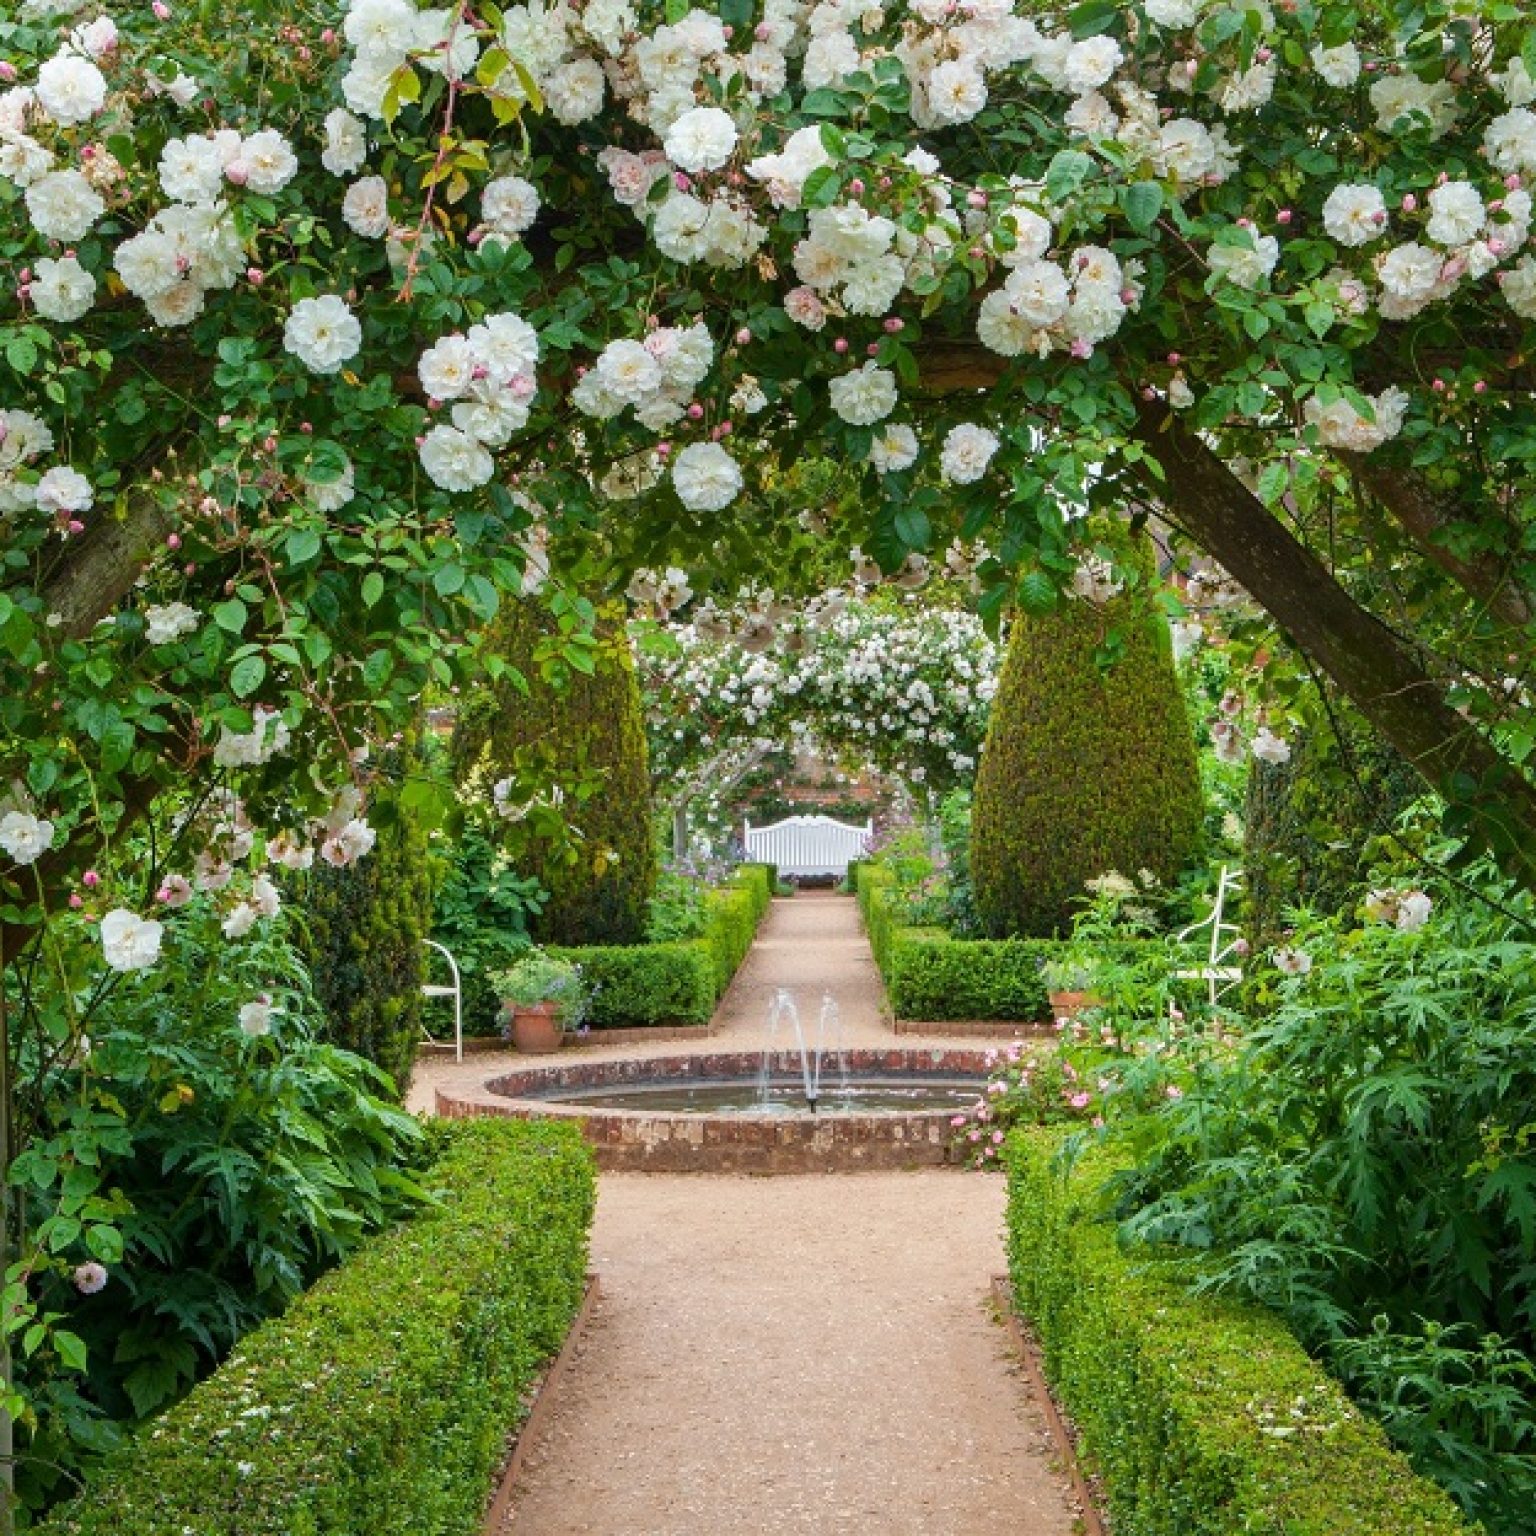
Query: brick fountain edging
[(663, 1141)]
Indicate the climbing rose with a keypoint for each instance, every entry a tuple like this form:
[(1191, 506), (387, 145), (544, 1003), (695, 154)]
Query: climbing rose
[(130, 942)]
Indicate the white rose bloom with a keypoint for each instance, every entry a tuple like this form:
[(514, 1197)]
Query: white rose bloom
[(894, 448), (22, 159), (455, 461), (1410, 272), (1340, 425), (1269, 748), (256, 1018), (706, 477), (130, 942), (167, 622), (1413, 911), (680, 228), (805, 307), (61, 290), (447, 369), (967, 451), (447, 42), (1245, 265), (1510, 142), (864, 396), (346, 143), (1354, 214), (178, 305), (64, 206), (269, 161), (332, 495), (383, 30), (1396, 97), (1173, 13), (366, 83), (509, 205), (96, 39), (1515, 84), (192, 169), (1002, 328), (574, 92), (1518, 286), (365, 208), (25, 837), (242, 918), (1186, 150), (1250, 90), (507, 345), (70, 89), (1039, 292), (1090, 63), (1293, 962), (701, 140), (957, 91), (1337, 66), (64, 490), (323, 333), (1456, 213), (628, 371)]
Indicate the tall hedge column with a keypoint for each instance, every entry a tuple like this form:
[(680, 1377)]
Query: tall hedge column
[(1085, 769), (578, 728)]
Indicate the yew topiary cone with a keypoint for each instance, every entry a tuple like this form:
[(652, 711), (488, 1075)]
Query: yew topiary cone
[(1085, 769)]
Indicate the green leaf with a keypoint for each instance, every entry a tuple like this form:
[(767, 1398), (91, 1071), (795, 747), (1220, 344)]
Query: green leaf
[(1068, 170), (231, 615), (245, 677), (301, 545), (70, 1348), (373, 588), (1143, 202), (1037, 593)]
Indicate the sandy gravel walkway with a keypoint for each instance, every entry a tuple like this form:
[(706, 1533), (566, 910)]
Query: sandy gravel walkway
[(805, 1354)]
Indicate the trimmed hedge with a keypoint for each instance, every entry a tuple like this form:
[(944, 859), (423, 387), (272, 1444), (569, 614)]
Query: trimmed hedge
[(1185, 1404), (1085, 769), (678, 982), (383, 1399)]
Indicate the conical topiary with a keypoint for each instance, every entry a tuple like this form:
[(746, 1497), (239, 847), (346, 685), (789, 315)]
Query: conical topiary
[(573, 729), (1086, 768)]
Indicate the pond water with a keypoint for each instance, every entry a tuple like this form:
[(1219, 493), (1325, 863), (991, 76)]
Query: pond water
[(860, 1096)]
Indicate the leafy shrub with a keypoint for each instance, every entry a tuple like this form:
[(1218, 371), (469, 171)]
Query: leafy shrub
[(211, 1173), (933, 977), (482, 915), (636, 984), (1204, 1416), (364, 934), (1087, 767), (678, 910), (1362, 1165), (585, 731), (383, 1400)]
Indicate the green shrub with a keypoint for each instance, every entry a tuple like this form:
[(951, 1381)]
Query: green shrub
[(1310, 825), (586, 732), (760, 881), (934, 977), (1204, 1417), (364, 935), (636, 984), (732, 927), (1087, 768), (382, 1401)]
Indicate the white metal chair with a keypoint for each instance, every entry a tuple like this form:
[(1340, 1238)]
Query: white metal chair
[(456, 992), (1219, 971)]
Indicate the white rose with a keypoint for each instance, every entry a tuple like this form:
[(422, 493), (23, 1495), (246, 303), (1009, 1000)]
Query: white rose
[(447, 369), (168, 622), (1245, 265), (706, 477), (64, 490), (864, 396), (25, 837), (365, 208), (1456, 213), (346, 143), (1510, 142), (957, 91), (1269, 748), (1410, 272), (1354, 213), (701, 140), (61, 290), (384, 30), (1338, 66), (70, 89), (323, 333), (628, 371), (967, 451), (256, 1017), (509, 205), (242, 918), (64, 206), (269, 160), (130, 942), (1518, 286), (455, 461), (1090, 63)]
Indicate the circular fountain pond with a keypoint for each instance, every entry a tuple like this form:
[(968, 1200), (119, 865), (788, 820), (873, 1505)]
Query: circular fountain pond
[(746, 1111)]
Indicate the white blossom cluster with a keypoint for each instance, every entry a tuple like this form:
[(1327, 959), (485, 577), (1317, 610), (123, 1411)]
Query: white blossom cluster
[(60, 492), (489, 376), (659, 595)]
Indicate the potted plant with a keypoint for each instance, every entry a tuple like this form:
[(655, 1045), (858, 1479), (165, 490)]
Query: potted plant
[(1069, 984), (541, 998)]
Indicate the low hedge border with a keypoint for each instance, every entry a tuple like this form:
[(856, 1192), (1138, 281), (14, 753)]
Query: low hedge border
[(382, 1401), (678, 982), (1204, 1417)]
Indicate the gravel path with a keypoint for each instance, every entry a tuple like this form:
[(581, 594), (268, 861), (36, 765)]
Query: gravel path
[(795, 1354)]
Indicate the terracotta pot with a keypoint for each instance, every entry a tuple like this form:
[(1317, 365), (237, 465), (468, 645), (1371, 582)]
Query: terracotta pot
[(536, 1028), (1067, 1005)]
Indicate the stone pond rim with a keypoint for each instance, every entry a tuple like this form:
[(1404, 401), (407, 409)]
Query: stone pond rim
[(661, 1141)]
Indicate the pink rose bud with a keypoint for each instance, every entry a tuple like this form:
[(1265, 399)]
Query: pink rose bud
[(728, 31), (1512, 181), (1283, 217), (663, 448), (420, 441), (475, 236), (895, 324), (328, 37), (856, 187), (7, 71), (840, 345), (1175, 358), (163, 894), (976, 198), (304, 55), (885, 182), (743, 336), (1245, 223), (255, 276), (872, 349), (77, 901), (695, 412), (173, 541), (237, 173), (1148, 393), (76, 526), (762, 32), (1127, 296), (1438, 386), (1496, 246), (680, 181), (976, 253), (162, 10), (1481, 387), (1081, 348), (189, 569), (224, 420), (90, 879), (1410, 202)]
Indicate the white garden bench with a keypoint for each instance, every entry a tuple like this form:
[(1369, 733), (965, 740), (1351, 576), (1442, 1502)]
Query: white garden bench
[(808, 846)]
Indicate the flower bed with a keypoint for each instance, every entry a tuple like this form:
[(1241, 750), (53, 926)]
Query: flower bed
[(383, 1400), (1204, 1417), (678, 982)]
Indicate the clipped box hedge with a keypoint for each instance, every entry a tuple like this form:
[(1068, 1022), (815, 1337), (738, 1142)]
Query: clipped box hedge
[(681, 981), (382, 1401), (1188, 1406)]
